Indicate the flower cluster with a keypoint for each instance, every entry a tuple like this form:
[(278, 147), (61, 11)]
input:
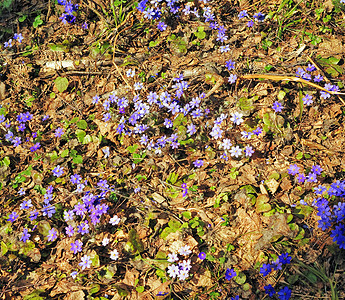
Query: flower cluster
[(307, 75), (259, 17), (180, 267), (16, 37), (301, 177), (283, 294), (70, 9), (282, 259), (331, 215)]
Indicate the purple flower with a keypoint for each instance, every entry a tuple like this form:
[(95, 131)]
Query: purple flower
[(311, 68), (229, 274), (26, 204), (277, 106), (52, 235), (202, 255), (59, 132), (311, 177), (250, 23), (248, 151), (293, 169), (198, 163), (307, 100), (35, 147), (16, 141), (301, 178), (168, 123), (85, 262), (226, 144), (257, 131), (84, 26), (191, 129), (230, 64), (76, 179), (242, 14), (162, 26), (83, 228), (285, 258), (318, 78), (33, 215), (12, 216), (76, 246), (18, 37), (70, 230), (260, 17), (316, 169), (26, 235), (58, 171)]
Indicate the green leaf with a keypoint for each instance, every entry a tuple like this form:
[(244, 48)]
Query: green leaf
[(132, 149), (135, 240), (140, 289), (200, 34), (187, 215), (22, 18), (87, 139), (261, 204), (82, 124), (37, 22), (4, 248), (78, 159), (94, 289), (281, 95), (153, 43), (299, 155), (240, 278), (311, 277), (61, 84), (65, 153), (6, 161), (58, 47), (172, 178), (80, 135)]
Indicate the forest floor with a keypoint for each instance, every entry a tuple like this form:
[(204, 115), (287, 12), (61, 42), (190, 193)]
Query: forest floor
[(172, 149)]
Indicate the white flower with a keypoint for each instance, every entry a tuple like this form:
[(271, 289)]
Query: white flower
[(183, 275), (226, 144), (114, 255), (172, 257), (114, 220), (130, 73), (185, 250), (237, 118), (74, 274), (106, 152), (185, 265), (105, 241), (236, 151), (173, 271)]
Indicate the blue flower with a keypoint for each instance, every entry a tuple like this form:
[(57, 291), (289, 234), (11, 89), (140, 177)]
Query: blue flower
[(284, 294), (269, 290), (285, 258), (277, 106), (265, 269), (229, 274)]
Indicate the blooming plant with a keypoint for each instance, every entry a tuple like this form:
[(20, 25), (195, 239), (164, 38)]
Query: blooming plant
[(102, 178)]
